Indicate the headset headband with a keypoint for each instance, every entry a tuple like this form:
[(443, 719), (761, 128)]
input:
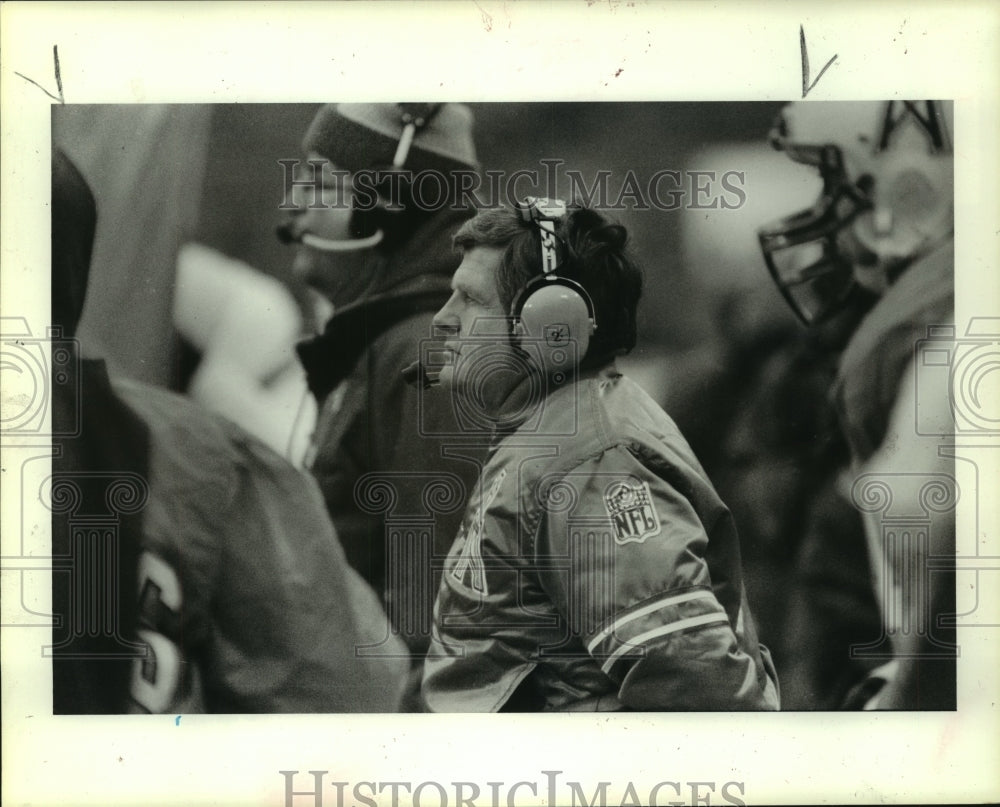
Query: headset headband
[(544, 214), (550, 299)]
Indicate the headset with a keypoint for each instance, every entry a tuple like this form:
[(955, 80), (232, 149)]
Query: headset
[(381, 221), (551, 312), (552, 317)]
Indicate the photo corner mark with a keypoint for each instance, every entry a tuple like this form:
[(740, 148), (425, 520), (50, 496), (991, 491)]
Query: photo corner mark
[(59, 87), (806, 84)]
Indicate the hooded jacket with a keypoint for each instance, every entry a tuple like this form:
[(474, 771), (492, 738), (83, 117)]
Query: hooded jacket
[(377, 433)]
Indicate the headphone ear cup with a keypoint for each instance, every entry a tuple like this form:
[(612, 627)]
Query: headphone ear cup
[(554, 323)]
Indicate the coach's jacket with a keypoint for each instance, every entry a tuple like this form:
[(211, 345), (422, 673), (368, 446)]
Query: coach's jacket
[(596, 569)]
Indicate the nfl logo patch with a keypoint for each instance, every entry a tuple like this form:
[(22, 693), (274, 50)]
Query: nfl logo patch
[(630, 507)]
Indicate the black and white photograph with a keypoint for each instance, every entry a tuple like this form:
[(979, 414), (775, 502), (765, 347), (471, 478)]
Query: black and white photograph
[(429, 427)]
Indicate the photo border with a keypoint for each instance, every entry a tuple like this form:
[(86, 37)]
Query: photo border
[(495, 51)]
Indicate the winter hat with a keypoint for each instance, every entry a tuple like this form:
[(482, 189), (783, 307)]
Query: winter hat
[(359, 136)]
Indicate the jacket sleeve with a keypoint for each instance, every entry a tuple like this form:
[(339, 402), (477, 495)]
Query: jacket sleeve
[(624, 559), (245, 600)]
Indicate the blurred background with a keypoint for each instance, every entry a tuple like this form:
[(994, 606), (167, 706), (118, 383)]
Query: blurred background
[(168, 174), (719, 348)]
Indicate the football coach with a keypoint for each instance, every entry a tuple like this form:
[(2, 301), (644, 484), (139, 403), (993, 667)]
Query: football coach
[(596, 568)]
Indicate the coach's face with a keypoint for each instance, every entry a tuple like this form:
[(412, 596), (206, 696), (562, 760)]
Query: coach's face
[(480, 363)]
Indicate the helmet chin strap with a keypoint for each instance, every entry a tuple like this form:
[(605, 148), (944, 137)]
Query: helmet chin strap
[(341, 245)]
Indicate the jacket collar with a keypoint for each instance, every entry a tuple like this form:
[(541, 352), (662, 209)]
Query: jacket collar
[(547, 405)]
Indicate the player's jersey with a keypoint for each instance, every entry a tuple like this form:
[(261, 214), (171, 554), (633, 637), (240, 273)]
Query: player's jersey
[(596, 568), (246, 602), (895, 407)]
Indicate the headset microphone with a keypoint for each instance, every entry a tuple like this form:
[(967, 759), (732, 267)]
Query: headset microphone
[(287, 236), (417, 375)]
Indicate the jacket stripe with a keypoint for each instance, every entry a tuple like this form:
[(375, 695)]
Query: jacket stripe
[(666, 602), (663, 630)]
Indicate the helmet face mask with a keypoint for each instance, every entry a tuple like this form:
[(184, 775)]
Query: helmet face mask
[(806, 252), (879, 162)]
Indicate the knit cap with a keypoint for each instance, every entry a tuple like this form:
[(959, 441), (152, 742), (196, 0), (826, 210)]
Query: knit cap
[(358, 136)]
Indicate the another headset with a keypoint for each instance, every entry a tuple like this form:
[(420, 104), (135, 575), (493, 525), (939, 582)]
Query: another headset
[(370, 226), (551, 310)]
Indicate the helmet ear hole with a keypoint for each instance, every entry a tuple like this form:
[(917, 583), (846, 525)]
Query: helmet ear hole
[(913, 206)]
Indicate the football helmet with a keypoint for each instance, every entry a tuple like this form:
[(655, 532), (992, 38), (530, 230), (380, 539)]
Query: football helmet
[(886, 198)]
